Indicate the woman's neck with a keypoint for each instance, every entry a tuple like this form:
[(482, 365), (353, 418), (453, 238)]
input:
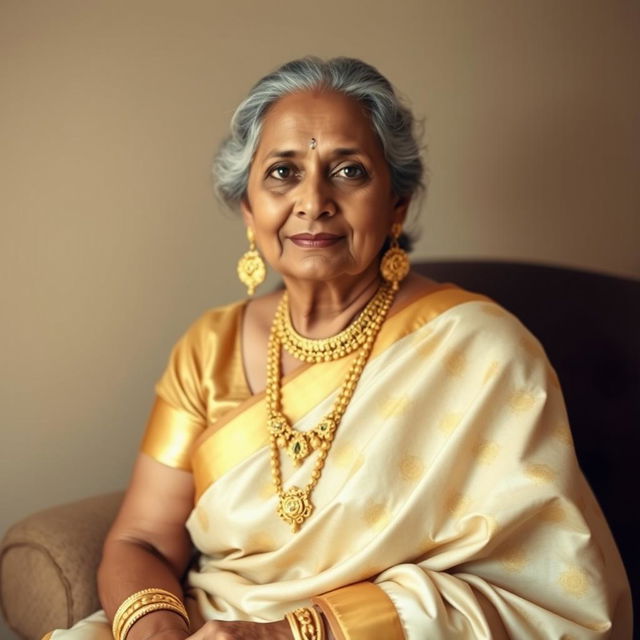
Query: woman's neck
[(322, 309)]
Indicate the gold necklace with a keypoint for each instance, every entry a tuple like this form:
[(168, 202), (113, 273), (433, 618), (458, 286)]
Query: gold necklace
[(294, 504), (333, 347)]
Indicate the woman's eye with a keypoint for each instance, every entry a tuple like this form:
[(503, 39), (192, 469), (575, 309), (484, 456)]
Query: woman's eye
[(281, 172), (352, 171)]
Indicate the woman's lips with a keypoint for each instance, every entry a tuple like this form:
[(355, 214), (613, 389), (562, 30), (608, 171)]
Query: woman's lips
[(317, 241)]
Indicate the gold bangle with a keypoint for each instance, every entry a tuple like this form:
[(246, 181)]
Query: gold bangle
[(138, 604), (305, 624), (293, 623), (150, 608), (117, 618), (141, 599), (318, 622), (135, 601)]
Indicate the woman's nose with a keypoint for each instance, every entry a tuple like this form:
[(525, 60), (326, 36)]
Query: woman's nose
[(314, 198)]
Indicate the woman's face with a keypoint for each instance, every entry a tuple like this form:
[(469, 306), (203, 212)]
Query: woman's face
[(319, 195)]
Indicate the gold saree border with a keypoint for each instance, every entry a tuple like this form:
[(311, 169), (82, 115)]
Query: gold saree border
[(242, 431), (360, 611), (170, 435)]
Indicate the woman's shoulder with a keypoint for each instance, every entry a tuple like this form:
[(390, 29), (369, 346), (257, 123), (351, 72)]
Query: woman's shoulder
[(225, 324), (472, 315), (216, 322)]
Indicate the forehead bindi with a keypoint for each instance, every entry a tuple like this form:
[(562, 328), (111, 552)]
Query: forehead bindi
[(331, 119)]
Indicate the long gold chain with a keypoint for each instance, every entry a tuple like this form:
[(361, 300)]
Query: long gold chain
[(333, 347), (294, 504)]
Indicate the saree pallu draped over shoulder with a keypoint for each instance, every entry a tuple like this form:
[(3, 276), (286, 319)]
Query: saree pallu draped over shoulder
[(451, 504)]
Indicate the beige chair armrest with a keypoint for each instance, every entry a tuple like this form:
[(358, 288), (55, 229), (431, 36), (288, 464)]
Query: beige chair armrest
[(48, 565)]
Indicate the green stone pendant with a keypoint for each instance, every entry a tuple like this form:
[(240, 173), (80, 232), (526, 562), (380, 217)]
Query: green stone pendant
[(298, 448)]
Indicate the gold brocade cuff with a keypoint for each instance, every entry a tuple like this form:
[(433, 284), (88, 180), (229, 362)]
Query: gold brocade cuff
[(359, 612), (170, 435), (305, 624)]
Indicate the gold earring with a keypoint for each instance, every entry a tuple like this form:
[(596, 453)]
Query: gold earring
[(395, 266), (251, 269)]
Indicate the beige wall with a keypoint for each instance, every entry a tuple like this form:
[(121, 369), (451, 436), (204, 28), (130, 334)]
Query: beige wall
[(111, 242)]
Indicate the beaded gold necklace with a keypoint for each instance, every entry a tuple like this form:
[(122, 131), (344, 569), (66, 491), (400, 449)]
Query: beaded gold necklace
[(294, 504), (334, 347)]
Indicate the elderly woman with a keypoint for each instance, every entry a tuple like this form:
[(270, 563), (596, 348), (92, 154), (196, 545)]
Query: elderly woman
[(367, 453)]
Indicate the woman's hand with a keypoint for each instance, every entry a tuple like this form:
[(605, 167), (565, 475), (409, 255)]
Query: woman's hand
[(217, 630), (167, 634)]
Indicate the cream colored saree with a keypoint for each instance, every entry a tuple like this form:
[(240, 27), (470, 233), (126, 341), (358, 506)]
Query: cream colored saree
[(451, 504)]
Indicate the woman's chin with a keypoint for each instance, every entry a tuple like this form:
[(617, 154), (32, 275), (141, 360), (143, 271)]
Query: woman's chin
[(317, 269), (315, 277)]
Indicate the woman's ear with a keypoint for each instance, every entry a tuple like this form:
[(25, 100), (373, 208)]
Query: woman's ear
[(400, 209), (247, 214)]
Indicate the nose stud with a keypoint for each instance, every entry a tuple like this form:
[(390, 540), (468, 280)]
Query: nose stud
[(313, 143)]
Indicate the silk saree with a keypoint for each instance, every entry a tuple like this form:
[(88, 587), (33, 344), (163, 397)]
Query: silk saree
[(451, 504)]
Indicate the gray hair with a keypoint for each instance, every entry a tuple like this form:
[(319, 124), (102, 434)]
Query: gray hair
[(392, 121)]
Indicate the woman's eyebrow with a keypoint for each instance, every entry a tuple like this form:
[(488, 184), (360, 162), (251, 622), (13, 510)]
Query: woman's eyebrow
[(278, 153), (292, 153), (347, 151)]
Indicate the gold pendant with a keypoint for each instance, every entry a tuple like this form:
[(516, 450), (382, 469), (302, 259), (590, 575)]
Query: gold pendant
[(326, 428), (278, 425), (298, 448), (295, 507)]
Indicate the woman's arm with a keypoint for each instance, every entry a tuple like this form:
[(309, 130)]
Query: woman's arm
[(149, 546)]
